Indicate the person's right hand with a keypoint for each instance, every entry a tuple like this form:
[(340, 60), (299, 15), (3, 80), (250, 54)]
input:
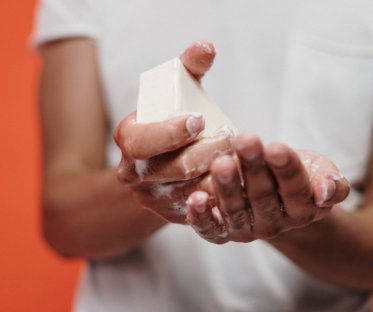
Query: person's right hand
[(164, 162)]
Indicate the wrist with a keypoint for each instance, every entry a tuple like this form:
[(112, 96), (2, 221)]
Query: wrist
[(311, 234)]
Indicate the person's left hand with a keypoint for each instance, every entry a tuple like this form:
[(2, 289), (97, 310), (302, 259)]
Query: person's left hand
[(283, 189)]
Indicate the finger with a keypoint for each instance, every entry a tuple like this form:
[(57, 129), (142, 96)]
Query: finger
[(198, 58), (229, 194), (342, 190), (260, 186), (191, 161), (329, 187), (142, 141), (329, 190), (293, 183), (186, 163), (207, 222)]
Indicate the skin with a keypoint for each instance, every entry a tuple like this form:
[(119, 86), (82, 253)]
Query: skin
[(88, 213), (287, 199)]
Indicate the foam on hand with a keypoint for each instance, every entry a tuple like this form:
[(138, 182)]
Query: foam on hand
[(169, 89)]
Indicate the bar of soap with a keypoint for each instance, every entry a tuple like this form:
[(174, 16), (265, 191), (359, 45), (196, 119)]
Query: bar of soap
[(169, 89)]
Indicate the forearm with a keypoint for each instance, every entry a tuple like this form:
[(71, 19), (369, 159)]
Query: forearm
[(91, 215), (338, 249)]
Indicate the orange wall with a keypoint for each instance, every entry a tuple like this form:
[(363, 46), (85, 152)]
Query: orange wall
[(32, 278)]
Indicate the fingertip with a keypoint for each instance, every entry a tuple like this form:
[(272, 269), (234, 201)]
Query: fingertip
[(325, 192), (346, 188), (248, 146), (121, 129), (222, 164), (277, 154), (195, 124), (206, 46), (343, 188), (198, 202), (116, 135), (198, 57), (244, 138)]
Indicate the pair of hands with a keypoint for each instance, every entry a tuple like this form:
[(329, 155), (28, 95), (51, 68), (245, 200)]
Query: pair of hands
[(190, 179)]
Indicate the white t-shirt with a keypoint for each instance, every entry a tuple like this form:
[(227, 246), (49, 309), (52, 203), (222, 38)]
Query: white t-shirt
[(291, 70)]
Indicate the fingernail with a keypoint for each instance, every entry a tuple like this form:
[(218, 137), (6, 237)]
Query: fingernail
[(329, 188), (195, 124), (250, 154), (200, 202), (225, 177), (332, 188)]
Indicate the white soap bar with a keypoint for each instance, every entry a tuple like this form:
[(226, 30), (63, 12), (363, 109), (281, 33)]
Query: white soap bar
[(169, 89)]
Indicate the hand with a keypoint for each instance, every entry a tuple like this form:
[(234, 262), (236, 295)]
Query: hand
[(164, 162), (283, 190)]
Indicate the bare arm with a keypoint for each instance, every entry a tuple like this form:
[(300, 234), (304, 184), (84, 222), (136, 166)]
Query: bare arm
[(339, 248), (86, 212), (331, 244)]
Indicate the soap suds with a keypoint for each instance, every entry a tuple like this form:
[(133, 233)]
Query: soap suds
[(337, 177), (205, 46), (179, 208), (163, 190), (306, 162), (166, 190), (324, 195), (191, 126), (216, 213), (314, 168), (223, 230), (141, 167)]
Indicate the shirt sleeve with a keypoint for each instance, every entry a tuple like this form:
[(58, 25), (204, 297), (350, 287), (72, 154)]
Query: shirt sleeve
[(59, 19)]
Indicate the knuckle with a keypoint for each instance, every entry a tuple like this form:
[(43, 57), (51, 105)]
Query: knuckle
[(254, 169), (268, 215), (227, 191), (301, 193), (264, 200), (304, 191), (288, 173), (238, 219)]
